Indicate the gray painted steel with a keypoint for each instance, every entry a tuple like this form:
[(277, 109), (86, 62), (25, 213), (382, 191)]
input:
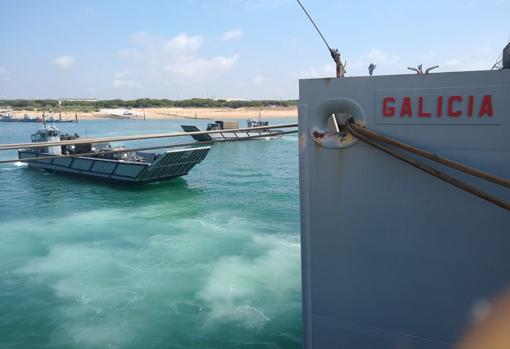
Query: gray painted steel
[(392, 257), (506, 57), (200, 137), (230, 135), (170, 164)]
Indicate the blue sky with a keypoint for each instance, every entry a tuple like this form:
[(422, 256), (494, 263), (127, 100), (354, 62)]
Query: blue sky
[(232, 48)]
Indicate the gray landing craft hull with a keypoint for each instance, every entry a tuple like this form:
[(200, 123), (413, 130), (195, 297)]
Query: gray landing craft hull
[(230, 135), (169, 165), (393, 257)]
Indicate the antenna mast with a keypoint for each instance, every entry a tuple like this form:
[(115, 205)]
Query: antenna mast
[(340, 67)]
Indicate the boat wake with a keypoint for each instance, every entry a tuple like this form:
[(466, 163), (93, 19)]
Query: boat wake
[(15, 166)]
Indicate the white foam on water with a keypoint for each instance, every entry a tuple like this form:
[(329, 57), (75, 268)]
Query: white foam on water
[(251, 317), (115, 273), (112, 335), (185, 307), (98, 216), (96, 290), (287, 138), (236, 283), (14, 166)]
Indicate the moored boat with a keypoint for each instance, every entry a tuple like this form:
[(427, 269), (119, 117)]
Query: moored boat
[(102, 161), (8, 117), (230, 132), (26, 118), (54, 119)]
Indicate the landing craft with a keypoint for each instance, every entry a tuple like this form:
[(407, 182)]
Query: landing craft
[(253, 130), (101, 161)]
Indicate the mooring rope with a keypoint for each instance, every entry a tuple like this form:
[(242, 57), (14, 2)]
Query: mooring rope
[(434, 157), (127, 150), (372, 138), (138, 137)]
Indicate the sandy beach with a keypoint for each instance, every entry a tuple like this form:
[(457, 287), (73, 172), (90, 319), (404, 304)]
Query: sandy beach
[(174, 113)]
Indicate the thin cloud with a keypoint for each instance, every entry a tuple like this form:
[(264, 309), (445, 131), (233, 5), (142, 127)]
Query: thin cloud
[(234, 34), (201, 67), (260, 79), (123, 79), (119, 83), (327, 70), (64, 62), (386, 63), (481, 59), (123, 74), (378, 56), (176, 58)]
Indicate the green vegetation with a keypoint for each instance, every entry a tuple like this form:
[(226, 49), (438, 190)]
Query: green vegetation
[(88, 106)]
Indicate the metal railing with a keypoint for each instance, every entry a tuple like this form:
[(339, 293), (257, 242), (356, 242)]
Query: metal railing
[(139, 137), (136, 137)]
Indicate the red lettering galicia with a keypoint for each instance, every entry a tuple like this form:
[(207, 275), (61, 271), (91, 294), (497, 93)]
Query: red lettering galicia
[(451, 112), (486, 107), (439, 106), (456, 107), (470, 105), (421, 113), (406, 107), (388, 111)]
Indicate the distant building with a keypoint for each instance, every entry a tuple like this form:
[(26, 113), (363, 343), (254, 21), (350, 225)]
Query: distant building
[(79, 100), (229, 99)]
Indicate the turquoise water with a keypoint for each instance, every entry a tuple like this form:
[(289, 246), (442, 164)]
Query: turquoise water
[(210, 260)]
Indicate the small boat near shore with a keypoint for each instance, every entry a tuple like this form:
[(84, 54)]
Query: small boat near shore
[(7, 118), (53, 119), (102, 161), (230, 131), (11, 118), (26, 118), (121, 113)]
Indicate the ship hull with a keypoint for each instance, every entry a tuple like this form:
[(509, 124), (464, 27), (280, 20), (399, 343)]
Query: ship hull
[(169, 165), (393, 257)]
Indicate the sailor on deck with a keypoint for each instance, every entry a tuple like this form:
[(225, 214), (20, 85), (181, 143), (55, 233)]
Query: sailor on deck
[(340, 67)]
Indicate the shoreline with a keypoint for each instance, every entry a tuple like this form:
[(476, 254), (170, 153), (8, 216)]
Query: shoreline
[(172, 113)]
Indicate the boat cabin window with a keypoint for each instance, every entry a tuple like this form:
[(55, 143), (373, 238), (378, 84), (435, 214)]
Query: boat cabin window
[(99, 147), (43, 135), (39, 137)]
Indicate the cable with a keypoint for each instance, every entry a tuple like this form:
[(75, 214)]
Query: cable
[(311, 20)]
